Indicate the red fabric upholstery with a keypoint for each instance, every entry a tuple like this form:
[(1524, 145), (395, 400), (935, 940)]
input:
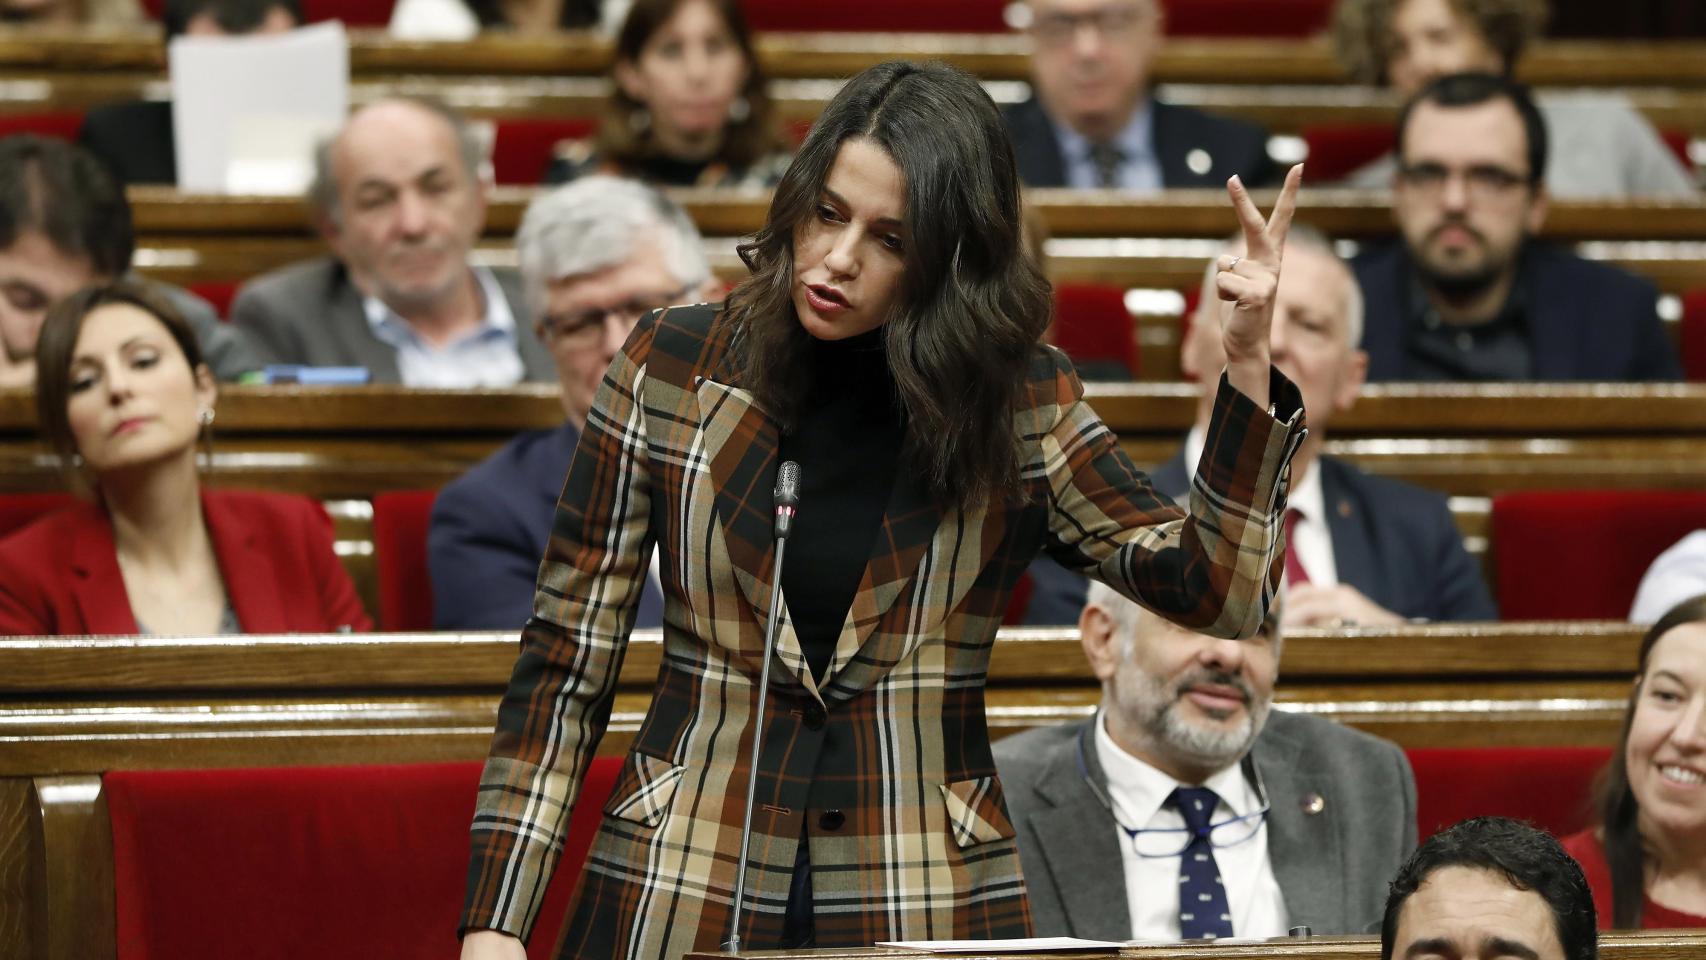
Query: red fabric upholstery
[(1337, 150), (1677, 141), (310, 861), (19, 510), (400, 522), (1550, 787), (62, 124), (219, 293), (1578, 555), (934, 16), (354, 13), (1247, 18), (1694, 335), (1092, 323), (521, 146)]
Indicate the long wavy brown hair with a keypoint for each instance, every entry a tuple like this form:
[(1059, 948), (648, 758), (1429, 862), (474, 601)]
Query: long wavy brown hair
[(1619, 812), (1361, 31), (972, 304)]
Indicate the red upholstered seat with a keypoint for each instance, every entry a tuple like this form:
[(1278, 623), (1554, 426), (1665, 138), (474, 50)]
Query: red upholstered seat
[(365, 861), (521, 146), (934, 16), (19, 510), (400, 522), (354, 13), (1247, 18), (219, 293), (1578, 555), (1550, 787), (1091, 323), (63, 124), (1694, 335), (1337, 150)]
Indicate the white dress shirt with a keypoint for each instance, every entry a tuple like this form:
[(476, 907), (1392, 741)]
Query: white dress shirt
[(1138, 791), (486, 356)]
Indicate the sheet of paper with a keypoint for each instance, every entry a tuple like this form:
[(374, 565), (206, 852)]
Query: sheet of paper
[(247, 111), (1031, 945)]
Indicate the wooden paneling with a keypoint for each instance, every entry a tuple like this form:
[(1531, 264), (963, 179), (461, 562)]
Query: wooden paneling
[(23, 930)]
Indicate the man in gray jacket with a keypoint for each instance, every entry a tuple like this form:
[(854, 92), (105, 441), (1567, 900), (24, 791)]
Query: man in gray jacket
[(400, 199), (1185, 809)]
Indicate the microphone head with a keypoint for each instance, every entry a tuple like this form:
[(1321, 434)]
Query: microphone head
[(787, 492)]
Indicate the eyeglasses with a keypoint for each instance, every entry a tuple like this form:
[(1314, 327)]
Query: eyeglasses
[(1483, 182), (1057, 29), (1160, 842), (584, 327)]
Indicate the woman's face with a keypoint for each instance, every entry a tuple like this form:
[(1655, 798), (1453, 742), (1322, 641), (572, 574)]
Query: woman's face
[(1666, 749), (1430, 39), (133, 398), (688, 74), (849, 256)]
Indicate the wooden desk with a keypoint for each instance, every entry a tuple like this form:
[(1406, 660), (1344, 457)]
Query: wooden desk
[(815, 55), (1666, 945)]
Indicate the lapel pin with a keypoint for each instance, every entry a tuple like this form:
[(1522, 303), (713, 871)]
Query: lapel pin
[(1344, 508), (1314, 803)]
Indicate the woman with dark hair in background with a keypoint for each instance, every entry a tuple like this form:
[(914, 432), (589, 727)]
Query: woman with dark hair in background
[(1646, 861), (122, 395), (689, 107), (887, 342)]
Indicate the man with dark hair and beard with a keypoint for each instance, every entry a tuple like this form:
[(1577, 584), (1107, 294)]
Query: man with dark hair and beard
[(1470, 294), (1186, 809)]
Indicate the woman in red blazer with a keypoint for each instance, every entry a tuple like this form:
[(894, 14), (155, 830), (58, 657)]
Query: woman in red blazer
[(122, 395)]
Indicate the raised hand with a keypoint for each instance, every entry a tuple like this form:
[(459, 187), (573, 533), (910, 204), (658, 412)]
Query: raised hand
[(1250, 282)]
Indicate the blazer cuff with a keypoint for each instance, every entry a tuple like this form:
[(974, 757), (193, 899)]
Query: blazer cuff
[(1247, 451)]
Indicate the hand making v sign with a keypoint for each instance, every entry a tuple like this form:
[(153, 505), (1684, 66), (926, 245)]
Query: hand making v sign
[(1250, 282)]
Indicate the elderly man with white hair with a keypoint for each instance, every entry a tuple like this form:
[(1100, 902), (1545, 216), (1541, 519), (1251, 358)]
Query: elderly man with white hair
[(1361, 550), (596, 255)]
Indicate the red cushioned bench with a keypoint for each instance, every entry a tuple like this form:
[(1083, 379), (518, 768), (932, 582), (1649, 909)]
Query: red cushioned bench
[(288, 862)]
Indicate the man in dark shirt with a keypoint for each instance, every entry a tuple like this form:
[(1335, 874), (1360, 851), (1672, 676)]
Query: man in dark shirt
[(1470, 294), (1095, 123)]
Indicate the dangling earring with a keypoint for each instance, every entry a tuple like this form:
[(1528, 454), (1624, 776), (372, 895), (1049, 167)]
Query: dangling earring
[(205, 417), (639, 120), (739, 109), (77, 462)]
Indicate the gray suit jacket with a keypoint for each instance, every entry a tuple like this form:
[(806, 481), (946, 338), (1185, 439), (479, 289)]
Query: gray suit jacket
[(1333, 866), (311, 313), (228, 352)]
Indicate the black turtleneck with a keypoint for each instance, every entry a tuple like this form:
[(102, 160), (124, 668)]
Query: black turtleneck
[(848, 445)]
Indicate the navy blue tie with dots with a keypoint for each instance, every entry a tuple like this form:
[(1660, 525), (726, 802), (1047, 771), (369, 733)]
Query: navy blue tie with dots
[(1203, 913)]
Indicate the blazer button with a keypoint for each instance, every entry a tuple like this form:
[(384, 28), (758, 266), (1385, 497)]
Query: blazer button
[(832, 820), (814, 716)]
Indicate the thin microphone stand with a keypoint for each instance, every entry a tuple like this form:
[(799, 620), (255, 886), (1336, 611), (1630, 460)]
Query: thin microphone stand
[(787, 497)]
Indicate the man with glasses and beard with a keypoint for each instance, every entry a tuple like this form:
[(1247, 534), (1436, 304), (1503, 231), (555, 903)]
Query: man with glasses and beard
[(1185, 809), (1469, 294)]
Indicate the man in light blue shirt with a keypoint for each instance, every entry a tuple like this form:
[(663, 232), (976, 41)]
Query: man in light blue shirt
[(400, 200)]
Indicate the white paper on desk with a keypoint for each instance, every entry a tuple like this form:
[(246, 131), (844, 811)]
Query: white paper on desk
[(1027, 945), (247, 111)]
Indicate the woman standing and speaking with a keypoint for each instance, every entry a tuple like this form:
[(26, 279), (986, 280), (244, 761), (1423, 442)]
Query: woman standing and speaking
[(887, 342)]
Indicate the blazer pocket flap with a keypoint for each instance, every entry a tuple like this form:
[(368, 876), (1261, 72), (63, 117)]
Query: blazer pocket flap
[(977, 811), (644, 790)]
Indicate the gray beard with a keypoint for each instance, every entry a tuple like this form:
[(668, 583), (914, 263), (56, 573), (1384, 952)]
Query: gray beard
[(1159, 718)]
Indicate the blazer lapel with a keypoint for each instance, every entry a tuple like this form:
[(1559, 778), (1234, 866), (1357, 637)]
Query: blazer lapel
[(1353, 554), (97, 584), (1075, 836), (247, 568), (1303, 846), (740, 446)]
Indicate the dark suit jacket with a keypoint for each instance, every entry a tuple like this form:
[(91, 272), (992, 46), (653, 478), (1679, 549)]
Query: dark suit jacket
[(489, 531), (1394, 541), (1332, 866), (60, 576), (1232, 146), (134, 140), (1587, 320), (311, 313), (882, 763)]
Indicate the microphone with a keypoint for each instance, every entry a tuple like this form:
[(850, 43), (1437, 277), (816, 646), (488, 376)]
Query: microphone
[(787, 499)]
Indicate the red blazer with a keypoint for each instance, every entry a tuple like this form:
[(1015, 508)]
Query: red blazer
[(60, 576)]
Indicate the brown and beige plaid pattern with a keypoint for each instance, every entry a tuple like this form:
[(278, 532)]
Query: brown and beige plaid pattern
[(886, 765)]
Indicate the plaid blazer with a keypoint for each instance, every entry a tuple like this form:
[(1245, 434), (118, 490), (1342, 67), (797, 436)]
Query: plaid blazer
[(885, 765)]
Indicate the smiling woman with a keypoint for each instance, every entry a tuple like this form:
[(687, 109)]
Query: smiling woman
[(122, 395), (1647, 859)]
